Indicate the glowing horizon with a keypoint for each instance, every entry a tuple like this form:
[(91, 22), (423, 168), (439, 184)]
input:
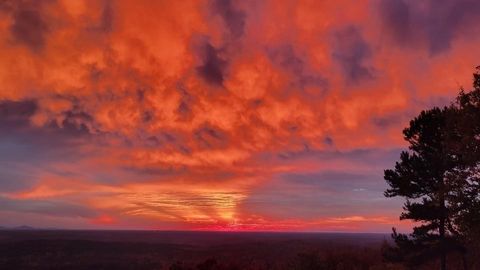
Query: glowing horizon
[(221, 114)]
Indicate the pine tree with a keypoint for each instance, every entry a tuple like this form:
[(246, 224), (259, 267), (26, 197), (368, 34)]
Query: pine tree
[(465, 179), (419, 176), (440, 178)]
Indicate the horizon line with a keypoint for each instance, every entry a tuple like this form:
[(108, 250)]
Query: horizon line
[(29, 228)]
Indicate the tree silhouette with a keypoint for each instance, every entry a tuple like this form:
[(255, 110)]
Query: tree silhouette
[(465, 179), (439, 177), (419, 177)]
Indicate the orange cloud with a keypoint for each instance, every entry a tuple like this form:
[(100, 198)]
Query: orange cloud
[(177, 113)]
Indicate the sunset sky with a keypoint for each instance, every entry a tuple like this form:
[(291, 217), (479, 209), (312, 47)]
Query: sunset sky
[(219, 114)]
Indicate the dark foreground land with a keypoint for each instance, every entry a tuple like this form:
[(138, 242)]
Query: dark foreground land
[(189, 250)]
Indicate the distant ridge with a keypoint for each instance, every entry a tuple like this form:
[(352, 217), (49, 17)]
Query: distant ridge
[(23, 227), (19, 228)]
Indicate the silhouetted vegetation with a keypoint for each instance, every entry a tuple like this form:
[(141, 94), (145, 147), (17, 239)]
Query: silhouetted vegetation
[(439, 178), (150, 250), (205, 251)]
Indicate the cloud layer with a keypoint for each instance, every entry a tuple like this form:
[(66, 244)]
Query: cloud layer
[(218, 114)]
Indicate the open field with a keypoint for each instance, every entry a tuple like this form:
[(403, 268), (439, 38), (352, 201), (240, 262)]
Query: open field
[(188, 250)]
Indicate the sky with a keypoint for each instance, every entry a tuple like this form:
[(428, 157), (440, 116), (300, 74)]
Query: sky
[(219, 114)]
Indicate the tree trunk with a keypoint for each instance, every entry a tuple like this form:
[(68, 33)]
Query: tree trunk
[(441, 230), (443, 261), (464, 261), (443, 256)]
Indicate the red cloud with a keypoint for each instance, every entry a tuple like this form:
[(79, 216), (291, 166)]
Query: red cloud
[(176, 112)]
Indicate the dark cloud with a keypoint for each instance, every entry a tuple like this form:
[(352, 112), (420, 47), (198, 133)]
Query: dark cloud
[(352, 53), (184, 109), (22, 141), (446, 20), (439, 21), (29, 26), (27, 150), (387, 121), (286, 58), (76, 122), (106, 22), (328, 141), (210, 137), (213, 65), (233, 18), (46, 207), (16, 113), (163, 139), (157, 171), (147, 116), (396, 17)]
